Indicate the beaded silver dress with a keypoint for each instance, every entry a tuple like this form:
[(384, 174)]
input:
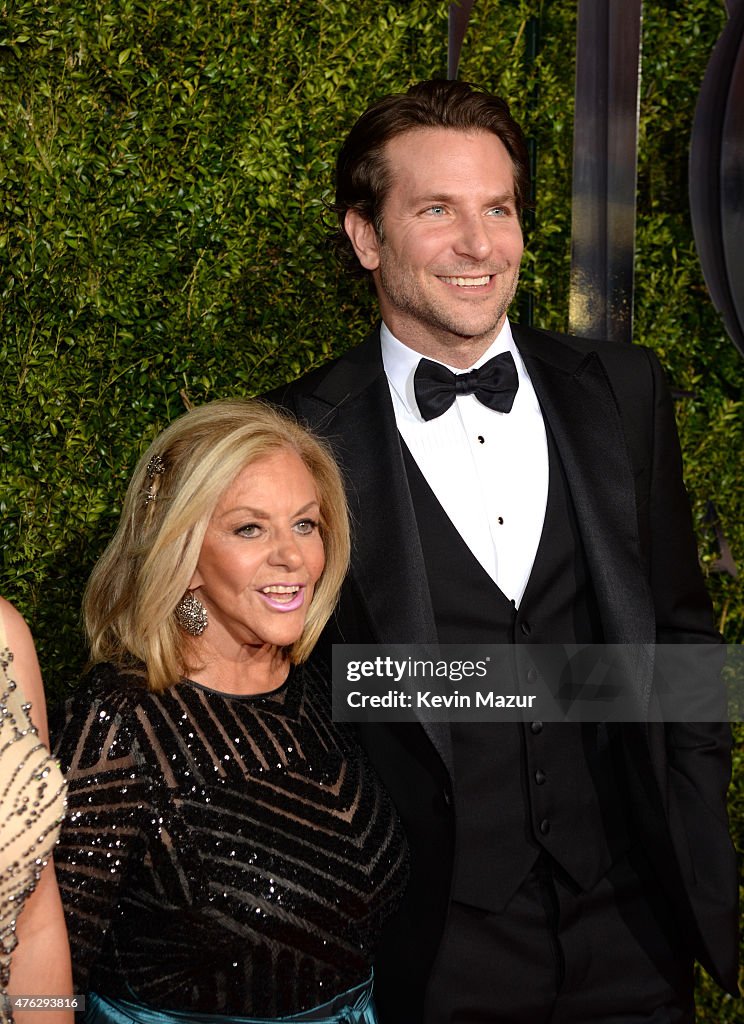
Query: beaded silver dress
[(32, 806)]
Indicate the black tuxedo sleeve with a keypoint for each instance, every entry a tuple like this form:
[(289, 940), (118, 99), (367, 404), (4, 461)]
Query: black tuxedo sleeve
[(697, 756)]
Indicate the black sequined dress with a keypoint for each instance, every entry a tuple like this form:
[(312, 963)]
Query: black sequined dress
[(222, 854)]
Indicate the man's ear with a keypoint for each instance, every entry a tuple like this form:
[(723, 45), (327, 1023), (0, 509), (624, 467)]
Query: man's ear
[(364, 238)]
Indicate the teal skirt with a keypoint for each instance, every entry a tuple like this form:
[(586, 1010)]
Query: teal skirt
[(352, 1007)]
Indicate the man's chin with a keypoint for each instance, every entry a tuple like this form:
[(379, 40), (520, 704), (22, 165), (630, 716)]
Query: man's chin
[(473, 332)]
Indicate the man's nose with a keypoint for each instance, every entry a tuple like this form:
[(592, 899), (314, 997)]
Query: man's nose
[(473, 237)]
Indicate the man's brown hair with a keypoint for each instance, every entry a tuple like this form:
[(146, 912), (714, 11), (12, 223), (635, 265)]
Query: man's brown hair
[(362, 173)]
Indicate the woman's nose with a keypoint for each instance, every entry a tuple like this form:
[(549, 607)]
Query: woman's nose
[(285, 551)]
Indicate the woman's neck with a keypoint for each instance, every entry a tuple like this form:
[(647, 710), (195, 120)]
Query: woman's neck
[(248, 670)]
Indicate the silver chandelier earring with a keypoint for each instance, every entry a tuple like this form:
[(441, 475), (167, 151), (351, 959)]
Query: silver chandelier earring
[(191, 615)]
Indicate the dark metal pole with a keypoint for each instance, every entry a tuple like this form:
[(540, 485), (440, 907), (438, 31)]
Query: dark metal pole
[(604, 168), (459, 15), (717, 175)]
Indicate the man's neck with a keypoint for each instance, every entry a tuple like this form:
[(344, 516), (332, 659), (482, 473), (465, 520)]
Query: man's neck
[(460, 354)]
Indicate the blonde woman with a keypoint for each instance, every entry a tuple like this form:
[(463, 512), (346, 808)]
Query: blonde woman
[(230, 855), (35, 983)]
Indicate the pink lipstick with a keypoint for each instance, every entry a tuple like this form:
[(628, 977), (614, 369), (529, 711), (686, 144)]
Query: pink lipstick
[(284, 597)]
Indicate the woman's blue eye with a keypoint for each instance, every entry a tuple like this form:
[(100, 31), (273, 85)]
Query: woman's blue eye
[(249, 530)]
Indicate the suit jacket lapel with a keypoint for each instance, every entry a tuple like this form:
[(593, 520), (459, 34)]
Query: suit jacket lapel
[(579, 406), (352, 408)]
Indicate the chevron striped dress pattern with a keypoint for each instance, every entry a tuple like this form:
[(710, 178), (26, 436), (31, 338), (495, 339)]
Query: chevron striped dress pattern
[(222, 854)]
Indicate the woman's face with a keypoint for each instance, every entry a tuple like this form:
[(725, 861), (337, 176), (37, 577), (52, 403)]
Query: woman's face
[(262, 556)]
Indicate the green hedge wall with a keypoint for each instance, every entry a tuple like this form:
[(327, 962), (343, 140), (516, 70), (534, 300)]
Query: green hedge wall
[(163, 170)]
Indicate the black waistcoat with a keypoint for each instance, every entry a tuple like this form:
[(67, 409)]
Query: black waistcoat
[(520, 789)]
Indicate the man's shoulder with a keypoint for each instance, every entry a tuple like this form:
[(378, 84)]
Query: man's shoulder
[(352, 370), (613, 354), (307, 384), (632, 370), (614, 350)]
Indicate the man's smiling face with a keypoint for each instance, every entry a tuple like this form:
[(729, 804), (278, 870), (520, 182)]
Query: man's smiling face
[(447, 264)]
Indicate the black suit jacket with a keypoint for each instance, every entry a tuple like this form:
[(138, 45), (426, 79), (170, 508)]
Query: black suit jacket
[(612, 420)]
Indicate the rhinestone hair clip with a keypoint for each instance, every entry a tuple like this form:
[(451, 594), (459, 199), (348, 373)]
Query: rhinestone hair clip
[(155, 469)]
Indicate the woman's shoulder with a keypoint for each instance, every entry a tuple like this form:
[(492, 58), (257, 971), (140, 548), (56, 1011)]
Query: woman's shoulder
[(106, 694), (120, 687), (12, 618), (107, 711), (125, 679), (21, 664), (16, 632)]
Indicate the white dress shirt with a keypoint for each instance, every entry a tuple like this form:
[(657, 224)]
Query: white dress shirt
[(488, 470)]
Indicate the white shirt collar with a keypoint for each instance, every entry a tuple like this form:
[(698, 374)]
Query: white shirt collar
[(400, 361)]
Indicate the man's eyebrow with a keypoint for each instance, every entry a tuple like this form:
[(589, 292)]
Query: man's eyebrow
[(432, 198)]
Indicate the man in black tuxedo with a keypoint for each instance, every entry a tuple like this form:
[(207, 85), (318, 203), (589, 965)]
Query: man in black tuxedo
[(562, 873)]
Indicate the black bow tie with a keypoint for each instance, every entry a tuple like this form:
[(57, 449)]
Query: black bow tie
[(494, 384)]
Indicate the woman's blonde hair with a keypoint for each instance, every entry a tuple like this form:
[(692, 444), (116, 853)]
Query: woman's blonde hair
[(144, 572)]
